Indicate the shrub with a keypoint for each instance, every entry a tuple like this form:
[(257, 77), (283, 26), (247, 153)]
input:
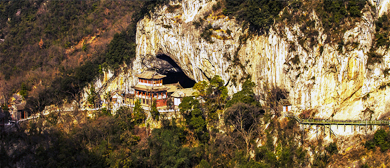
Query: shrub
[(373, 58), (23, 91), (382, 39), (105, 112), (340, 46), (206, 34), (84, 48), (217, 6), (382, 22), (321, 49), (172, 8), (365, 165), (381, 139), (197, 24), (295, 60), (332, 148), (354, 8), (228, 31), (167, 26), (386, 72), (249, 12)]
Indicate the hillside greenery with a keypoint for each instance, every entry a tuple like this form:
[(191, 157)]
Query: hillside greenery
[(259, 15), (381, 139), (56, 27), (58, 24), (40, 39), (197, 139), (121, 140), (65, 32)]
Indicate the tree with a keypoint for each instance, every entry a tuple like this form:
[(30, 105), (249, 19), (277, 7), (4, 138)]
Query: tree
[(92, 96), (125, 119), (107, 97), (246, 95), (38, 102), (244, 118), (381, 139), (5, 109), (186, 107), (170, 103), (154, 111), (139, 113), (23, 91), (190, 110), (332, 148), (198, 125), (214, 93)]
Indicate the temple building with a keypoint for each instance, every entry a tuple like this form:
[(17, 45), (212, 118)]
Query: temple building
[(179, 94), (150, 86)]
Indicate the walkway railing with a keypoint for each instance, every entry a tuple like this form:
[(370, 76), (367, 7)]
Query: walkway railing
[(337, 122), (94, 109)]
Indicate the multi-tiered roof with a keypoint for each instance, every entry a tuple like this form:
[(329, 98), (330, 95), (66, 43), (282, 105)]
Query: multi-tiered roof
[(150, 81), (150, 86)]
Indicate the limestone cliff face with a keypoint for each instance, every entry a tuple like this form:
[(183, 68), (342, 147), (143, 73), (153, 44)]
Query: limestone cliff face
[(337, 84)]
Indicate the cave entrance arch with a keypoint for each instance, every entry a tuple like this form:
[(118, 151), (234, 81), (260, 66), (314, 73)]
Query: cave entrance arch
[(174, 73)]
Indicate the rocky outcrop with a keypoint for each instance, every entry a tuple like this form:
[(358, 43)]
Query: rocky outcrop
[(336, 83)]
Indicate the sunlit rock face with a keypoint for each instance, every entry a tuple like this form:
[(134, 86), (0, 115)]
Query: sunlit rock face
[(337, 84)]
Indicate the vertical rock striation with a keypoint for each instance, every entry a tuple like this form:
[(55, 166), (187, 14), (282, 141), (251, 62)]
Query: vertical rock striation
[(337, 83)]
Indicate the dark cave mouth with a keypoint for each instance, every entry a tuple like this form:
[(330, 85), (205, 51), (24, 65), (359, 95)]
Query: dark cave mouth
[(175, 74)]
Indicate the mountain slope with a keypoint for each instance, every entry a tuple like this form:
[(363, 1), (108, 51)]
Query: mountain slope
[(41, 38)]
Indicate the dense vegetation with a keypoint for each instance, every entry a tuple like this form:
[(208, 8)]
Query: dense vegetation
[(43, 55), (381, 139), (382, 28), (72, 25), (333, 13), (40, 39), (57, 24), (217, 132), (258, 14), (126, 139)]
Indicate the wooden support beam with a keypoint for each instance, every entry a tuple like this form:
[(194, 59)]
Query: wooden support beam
[(324, 129)]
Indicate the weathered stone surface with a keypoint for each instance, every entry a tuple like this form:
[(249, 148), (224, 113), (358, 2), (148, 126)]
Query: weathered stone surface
[(338, 84)]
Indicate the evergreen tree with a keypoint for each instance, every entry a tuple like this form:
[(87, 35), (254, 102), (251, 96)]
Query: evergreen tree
[(246, 95), (154, 111), (139, 113)]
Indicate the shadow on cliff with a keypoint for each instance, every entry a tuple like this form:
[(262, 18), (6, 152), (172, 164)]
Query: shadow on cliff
[(174, 73)]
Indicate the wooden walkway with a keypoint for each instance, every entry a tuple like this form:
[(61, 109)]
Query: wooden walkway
[(337, 122), (327, 124)]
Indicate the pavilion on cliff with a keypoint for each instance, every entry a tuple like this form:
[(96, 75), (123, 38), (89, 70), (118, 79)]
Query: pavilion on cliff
[(150, 86)]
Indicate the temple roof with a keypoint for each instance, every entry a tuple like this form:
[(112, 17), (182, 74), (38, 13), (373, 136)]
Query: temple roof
[(20, 106), (173, 87), (150, 88), (150, 75), (183, 92)]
